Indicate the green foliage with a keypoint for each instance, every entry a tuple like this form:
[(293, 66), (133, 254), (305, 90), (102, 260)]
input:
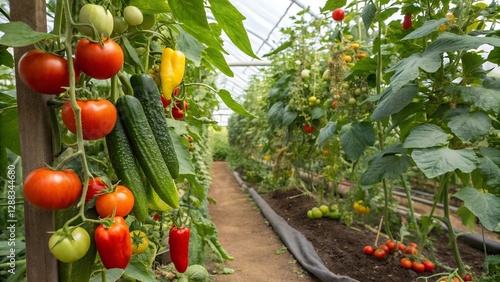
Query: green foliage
[(219, 145)]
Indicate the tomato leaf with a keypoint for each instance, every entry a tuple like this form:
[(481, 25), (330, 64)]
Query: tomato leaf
[(317, 113), (392, 102), (18, 34), (276, 113), (426, 136), (232, 104), (112, 275), (485, 206), (149, 7), (192, 15), (289, 117), (489, 167), (327, 132), (467, 217), (486, 99), (9, 124), (231, 21), (427, 28), (215, 58), (473, 70), (181, 146), (190, 46), (388, 164), (333, 4), (280, 48), (6, 58), (354, 138), (132, 54), (437, 161), (138, 271), (491, 82), (368, 14), (470, 126)]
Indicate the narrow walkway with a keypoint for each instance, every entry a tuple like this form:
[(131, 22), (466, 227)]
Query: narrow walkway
[(259, 254)]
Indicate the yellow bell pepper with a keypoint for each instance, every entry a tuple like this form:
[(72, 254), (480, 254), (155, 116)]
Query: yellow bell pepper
[(171, 70)]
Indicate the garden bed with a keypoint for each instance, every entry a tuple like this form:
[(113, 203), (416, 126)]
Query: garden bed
[(341, 248)]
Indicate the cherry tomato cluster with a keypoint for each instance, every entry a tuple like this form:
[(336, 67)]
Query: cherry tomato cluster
[(418, 266), (361, 209), (308, 128)]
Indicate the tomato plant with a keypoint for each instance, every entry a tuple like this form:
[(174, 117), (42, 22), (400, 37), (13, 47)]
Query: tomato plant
[(121, 202), (52, 190), (98, 118), (338, 14), (44, 72), (114, 244), (69, 245), (99, 62), (140, 241)]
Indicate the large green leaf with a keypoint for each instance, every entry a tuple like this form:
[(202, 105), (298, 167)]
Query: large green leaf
[(492, 82), (215, 57), (183, 155), (470, 126), (327, 132), (18, 34), (232, 104), (472, 65), (132, 53), (486, 99), (408, 68), (289, 117), (388, 164), (393, 102), (489, 168), (437, 161), (138, 271), (485, 206), (192, 15), (190, 46), (6, 58), (333, 4), (276, 113), (354, 138), (425, 136), (368, 14), (9, 129), (427, 28), (317, 113), (112, 275), (231, 21), (149, 7), (468, 218)]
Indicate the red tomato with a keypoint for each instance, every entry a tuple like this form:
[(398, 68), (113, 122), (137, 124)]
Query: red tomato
[(165, 102), (385, 248), (98, 118), (405, 263), (418, 266), (338, 14), (44, 72), (121, 199), (429, 265), (177, 113), (410, 250), (401, 247), (114, 244), (407, 22), (52, 190), (413, 244), (95, 187), (368, 250), (308, 128), (466, 277), (99, 62), (391, 244), (379, 253)]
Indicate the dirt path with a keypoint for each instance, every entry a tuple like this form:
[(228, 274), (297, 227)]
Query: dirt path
[(259, 254)]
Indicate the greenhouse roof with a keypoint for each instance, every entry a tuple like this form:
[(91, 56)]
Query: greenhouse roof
[(264, 20)]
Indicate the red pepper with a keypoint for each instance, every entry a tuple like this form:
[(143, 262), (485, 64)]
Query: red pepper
[(407, 22), (113, 244), (178, 241)]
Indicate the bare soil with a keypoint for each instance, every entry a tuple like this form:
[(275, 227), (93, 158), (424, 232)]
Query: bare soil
[(259, 254)]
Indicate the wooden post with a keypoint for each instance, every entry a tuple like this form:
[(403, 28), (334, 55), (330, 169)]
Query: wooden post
[(36, 149)]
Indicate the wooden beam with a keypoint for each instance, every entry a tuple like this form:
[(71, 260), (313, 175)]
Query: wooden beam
[(36, 150)]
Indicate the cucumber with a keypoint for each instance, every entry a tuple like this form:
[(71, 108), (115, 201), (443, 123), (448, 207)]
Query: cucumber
[(146, 149), (147, 92), (123, 162)]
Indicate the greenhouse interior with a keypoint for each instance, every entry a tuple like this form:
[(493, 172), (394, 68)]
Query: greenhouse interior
[(231, 140)]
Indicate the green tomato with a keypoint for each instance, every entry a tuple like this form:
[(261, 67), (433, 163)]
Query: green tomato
[(148, 22), (140, 241), (324, 209), (310, 214), (316, 212), (357, 91), (305, 73), (133, 16), (119, 24), (69, 247), (97, 16), (334, 207), (352, 101)]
